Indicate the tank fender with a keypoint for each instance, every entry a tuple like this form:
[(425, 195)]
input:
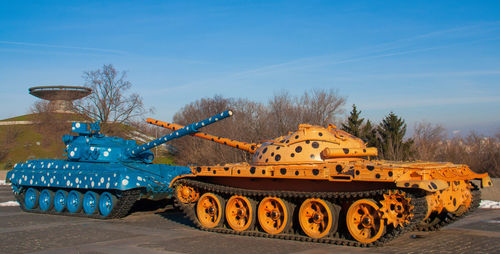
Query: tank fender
[(486, 182), (428, 185)]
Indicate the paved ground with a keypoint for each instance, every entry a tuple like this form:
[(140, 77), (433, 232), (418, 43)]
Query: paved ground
[(166, 231)]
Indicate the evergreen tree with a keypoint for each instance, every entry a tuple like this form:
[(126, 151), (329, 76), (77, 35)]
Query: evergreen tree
[(354, 123), (391, 132), (369, 134)]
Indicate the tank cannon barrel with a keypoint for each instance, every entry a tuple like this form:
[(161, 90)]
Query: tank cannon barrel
[(190, 129), (249, 147)]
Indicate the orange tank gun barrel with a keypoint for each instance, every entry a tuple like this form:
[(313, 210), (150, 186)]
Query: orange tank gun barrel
[(249, 147), (329, 153)]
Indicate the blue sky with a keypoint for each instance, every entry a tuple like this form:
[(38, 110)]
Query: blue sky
[(435, 61)]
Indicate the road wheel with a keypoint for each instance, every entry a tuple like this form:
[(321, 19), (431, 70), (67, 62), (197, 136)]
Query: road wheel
[(74, 201), (90, 202), (46, 200), (31, 199), (364, 221), (210, 210), (60, 200), (275, 215), (107, 203), (317, 217), (240, 213)]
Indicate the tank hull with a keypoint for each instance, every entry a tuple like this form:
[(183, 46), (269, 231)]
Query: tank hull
[(124, 183), (399, 196)]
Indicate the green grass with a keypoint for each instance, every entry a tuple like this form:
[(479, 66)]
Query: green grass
[(164, 160)]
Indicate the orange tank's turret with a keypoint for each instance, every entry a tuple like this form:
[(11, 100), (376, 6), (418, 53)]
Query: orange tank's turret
[(309, 144), (249, 147), (312, 144)]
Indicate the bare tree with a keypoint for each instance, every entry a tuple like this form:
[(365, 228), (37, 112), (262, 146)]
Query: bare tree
[(109, 102), (428, 141), (252, 122)]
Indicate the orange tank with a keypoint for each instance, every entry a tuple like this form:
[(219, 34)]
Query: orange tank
[(320, 184)]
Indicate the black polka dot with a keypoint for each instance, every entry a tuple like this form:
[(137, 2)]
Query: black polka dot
[(288, 141), (226, 168), (434, 185), (239, 171), (267, 160), (377, 176), (252, 147), (272, 154), (214, 172), (315, 172), (320, 134), (407, 184), (263, 171), (292, 155), (283, 171), (454, 202), (390, 173), (312, 156), (346, 150), (237, 146), (296, 137), (315, 145), (198, 169), (277, 157), (357, 172), (414, 186), (296, 173), (298, 149), (308, 141), (252, 170), (265, 150), (278, 148), (338, 168), (370, 167)]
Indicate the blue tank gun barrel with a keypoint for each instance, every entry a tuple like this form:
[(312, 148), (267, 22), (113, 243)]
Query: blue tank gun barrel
[(187, 130)]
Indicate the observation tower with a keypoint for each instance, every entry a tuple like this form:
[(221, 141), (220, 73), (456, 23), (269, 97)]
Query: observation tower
[(61, 97)]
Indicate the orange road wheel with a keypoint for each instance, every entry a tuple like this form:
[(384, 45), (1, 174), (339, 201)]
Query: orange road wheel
[(240, 213), (316, 217), (209, 210), (274, 215), (364, 221), (186, 194)]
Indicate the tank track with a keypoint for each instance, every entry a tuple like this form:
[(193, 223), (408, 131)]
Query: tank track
[(126, 200), (342, 238), (447, 218)]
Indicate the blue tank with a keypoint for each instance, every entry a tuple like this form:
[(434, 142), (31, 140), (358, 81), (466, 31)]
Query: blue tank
[(102, 177)]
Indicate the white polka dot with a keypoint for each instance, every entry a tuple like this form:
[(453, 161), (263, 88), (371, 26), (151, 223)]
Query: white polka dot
[(125, 182), (68, 183), (92, 184), (31, 181), (102, 179), (107, 185), (139, 178), (106, 153), (77, 125)]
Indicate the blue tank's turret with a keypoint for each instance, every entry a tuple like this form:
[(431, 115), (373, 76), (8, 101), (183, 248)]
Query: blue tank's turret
[(91, 146)]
